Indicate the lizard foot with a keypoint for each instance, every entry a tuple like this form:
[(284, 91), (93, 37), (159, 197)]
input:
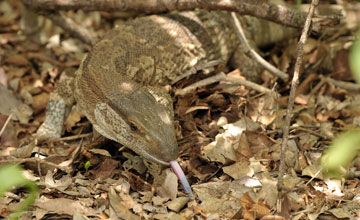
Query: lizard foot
[(47, 131)]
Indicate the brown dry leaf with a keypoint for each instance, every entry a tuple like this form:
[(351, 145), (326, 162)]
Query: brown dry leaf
[(134, 162), (272, 217), (264, 108), (244, 148), (119, 210), (13, 73), (260, 210), (249, 215), (260, 143), (129, 202), (178, 203), (24, 113), (301, 99), (268, 191), (8, 137), (59, 184), (24, 151), (306, 117), (239, 169), (287, 57), (100, 152), (318, 200), (170, 186), (341, 66), (217, 100), (170, 215), (73, 118), (67, 206), (107, 169), (156, 170), (40, 101), (3, 77), (225, 147), (342, 213), (296, 201), (9, 102), (221, 197), (307, 141), (318, 54), (313, 171), (285, 207), (17, 60), (246, 201), (292, 181), (236, 74)]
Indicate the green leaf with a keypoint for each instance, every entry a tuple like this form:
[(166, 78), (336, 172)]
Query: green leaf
[(11, 176), (87, 166), (354, 59), (341, 152)]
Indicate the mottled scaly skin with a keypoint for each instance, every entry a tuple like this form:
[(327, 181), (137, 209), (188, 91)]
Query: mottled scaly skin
[(113, 86), (157, 49)]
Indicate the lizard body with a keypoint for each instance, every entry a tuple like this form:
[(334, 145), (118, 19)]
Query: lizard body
[(115, 84)]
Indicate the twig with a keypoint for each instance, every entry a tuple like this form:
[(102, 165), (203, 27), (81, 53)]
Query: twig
[(6, 123), (294, 84), (37, 160), (222, 77), (312, 178), (45, 58), (141, 180), (70, 27), (312, 132), (251, 52), (76, 153), (74, 137), (344, 85), (69, 138), (194, 70)]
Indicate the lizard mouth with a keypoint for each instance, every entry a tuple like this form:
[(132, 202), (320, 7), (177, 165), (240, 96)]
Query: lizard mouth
[(154, 159)]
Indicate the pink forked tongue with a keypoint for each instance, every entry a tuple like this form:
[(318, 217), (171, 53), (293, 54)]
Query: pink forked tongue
[(181, 176)]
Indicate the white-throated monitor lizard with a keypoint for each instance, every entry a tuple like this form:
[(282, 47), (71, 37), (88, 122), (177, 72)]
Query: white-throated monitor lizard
[(115, 86), (116, 83)]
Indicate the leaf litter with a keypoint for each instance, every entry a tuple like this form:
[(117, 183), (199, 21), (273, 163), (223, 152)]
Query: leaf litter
[(229, 139)]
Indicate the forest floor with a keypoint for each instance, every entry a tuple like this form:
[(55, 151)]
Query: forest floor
[(229, 135)]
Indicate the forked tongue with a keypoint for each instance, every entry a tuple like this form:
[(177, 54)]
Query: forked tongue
[(181, 176)]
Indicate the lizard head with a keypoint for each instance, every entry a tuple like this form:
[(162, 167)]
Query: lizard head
[(138, 121)]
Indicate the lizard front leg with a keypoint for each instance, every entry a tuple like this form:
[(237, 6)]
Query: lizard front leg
[(57, 110)]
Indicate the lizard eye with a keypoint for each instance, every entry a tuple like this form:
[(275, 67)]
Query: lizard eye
[(133, 127)]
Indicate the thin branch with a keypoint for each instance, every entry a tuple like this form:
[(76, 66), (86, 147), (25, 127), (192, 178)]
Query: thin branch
[(70, 27), (69, 138), (294, 84), (251, 52), (222, 77), (344, 85), (6, 123), (37, 160)]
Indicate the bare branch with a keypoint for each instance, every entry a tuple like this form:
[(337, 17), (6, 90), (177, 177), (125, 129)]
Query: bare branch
[(70, 27), (222, 77), (294, 84), (251, 52), (258, 8)]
